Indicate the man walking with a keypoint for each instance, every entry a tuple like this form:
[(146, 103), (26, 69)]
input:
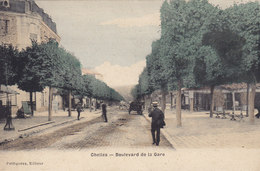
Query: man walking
[(157, 122), (104, 111), (79, 109)]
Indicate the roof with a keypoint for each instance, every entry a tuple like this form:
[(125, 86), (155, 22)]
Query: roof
[(90, 72), (228, 87), (20, 6), (236, 86)]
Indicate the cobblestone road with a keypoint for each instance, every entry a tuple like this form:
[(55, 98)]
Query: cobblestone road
[(122, 130)]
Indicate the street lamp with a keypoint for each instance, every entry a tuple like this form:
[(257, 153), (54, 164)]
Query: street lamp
[(9, 125)]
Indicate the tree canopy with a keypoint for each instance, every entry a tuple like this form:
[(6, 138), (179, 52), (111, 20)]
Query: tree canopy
[(9, 62), (202, 45)]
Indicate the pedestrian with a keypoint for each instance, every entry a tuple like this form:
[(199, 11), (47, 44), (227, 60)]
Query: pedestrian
[(79, 109), (157, 122), (104, 111)]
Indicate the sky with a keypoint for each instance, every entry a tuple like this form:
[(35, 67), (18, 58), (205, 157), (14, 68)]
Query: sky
[(112, 37)]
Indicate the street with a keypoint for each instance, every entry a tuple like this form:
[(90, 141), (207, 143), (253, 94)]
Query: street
[(122, 130), (125, 143)]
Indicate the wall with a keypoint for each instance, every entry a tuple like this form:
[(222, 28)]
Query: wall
[(8, 29)]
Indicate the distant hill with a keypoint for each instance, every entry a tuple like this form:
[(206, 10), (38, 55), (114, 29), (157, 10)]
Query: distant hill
[(125, 91)]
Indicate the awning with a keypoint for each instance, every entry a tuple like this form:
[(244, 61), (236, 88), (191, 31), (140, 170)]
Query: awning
[(6, 89)]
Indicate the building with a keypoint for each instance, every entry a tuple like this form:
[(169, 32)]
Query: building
[(229, 97), (226, 97), (93, 73), (22, 21)]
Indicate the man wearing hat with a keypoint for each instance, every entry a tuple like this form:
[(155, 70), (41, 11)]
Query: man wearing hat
[(157, 121), (104, 111)]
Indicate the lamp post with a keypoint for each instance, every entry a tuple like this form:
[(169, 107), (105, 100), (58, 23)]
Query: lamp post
[(9, 125)]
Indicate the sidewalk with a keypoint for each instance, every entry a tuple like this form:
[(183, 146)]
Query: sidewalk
[(39, 123), (200, 131)]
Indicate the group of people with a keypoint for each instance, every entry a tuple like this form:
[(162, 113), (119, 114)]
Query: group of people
[(156, 114), (104, 110)]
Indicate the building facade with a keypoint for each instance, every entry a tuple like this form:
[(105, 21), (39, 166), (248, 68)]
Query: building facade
[(22, 21), (93, 73)]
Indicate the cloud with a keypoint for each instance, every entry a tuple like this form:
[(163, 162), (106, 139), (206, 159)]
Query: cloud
[(116, 75), (146, 20)]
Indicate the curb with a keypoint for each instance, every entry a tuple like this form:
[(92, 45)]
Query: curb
[(163, 131), (46, 123), (27, 134)]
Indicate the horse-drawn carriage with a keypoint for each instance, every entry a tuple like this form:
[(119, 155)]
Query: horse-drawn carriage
[(136, 106)]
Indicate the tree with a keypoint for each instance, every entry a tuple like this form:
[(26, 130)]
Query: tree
[(9, 66), (219, 60), (183, 25), (70, 71), (136, 93), (48, 65), (102, 91), (83, 88), (144, 82), (30, 75), (41, 69), (145, 85), (244, 19), (156, 72), (9, 61)]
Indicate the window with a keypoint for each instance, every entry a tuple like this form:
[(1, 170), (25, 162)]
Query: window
[(4, 3), (4, 27)]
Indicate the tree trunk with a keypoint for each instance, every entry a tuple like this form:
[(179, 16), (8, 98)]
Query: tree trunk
[(69, 110), (31, 101), (151, 99), (211, 100), (234, 101), (90, 104), (81, 100), (252, 103), (163, 100), (96, 104), (171, 101), (144, 107), (50, 104), (178, 105), (191, 104), (148, 100), (35, 101), (145, 102), (247, 99), (63, 102)]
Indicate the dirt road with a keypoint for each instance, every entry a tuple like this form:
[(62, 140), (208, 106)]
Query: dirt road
[(121, 130)]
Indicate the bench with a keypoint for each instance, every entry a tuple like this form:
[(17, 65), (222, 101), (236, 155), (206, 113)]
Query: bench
[(238, 116), (220, 111), (218, 114)]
